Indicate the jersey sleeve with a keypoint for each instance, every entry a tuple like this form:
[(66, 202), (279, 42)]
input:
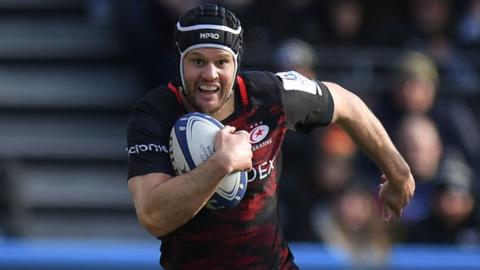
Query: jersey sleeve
[(147, 144), (307, 103)]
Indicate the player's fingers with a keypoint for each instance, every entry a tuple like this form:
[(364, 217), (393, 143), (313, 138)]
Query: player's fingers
[(387, 213), (229, 129), (243, 133), (400, 212), (395, 210)]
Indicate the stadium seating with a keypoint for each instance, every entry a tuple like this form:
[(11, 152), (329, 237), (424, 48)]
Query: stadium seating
[(64, 98)]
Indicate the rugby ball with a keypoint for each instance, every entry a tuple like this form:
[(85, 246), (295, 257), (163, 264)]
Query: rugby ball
[(191, 144)]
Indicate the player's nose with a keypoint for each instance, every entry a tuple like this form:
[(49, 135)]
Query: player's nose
[(209, 72)]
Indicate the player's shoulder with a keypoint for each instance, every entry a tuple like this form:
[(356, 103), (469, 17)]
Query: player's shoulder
[(268, 85), (287, 80), (160, 99), (256, 80), (263, 87), (160, 106)]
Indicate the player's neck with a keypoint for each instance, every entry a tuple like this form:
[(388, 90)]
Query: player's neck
[(227, 109)]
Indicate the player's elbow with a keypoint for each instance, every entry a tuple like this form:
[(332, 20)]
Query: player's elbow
[(153, 225)]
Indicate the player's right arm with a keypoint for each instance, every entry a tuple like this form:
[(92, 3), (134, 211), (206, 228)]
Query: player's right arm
[(163, 203)]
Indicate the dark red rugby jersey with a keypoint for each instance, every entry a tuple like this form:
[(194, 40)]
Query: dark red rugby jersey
[(248, 236)]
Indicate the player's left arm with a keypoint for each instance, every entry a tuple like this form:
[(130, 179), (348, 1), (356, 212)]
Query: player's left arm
[(353, 115)]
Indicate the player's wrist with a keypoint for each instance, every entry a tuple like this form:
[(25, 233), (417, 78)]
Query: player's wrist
[(401, 180), (405, 185), (221, 163)]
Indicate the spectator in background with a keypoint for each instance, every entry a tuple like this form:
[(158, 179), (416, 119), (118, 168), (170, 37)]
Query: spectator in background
[(284, 19), (452, 219), (344, 25), (419, 141), (468, 37), (329, 163), (298, 55), (432, 31), (468, 29), (415, 90), (429, 18), (332, 162), (349, 226), (406, 23), (458, 74), (412, 90)]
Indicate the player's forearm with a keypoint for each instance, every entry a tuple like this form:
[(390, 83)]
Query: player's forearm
[(367, 131), (374, 141), (174, 202)]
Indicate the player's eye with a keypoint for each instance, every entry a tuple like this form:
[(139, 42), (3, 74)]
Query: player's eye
[(223, 62), (198, 61)]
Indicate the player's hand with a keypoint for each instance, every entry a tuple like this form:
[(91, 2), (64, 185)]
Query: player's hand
[(234, 148), (395, 197)]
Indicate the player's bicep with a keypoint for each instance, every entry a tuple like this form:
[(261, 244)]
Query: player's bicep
[(345, 101)]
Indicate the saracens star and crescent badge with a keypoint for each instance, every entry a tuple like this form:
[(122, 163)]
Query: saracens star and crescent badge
[(258, 133)]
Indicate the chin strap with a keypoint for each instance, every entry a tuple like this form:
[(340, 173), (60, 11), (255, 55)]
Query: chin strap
[(176, 93), (242, 87), (182, 90)]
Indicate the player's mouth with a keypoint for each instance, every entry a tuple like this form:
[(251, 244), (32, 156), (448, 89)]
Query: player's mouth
[(208, 89)]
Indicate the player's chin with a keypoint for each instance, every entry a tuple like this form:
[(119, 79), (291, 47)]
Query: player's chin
[(208, 108), (211, 110)]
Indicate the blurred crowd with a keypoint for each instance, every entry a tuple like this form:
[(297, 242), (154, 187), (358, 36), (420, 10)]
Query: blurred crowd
[(429, 104)]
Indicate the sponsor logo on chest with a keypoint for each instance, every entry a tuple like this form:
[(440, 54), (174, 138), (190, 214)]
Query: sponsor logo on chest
[(261, 171), (258, 134), (259, 138)]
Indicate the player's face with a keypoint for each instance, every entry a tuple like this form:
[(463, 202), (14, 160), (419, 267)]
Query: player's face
[(208, 75)]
